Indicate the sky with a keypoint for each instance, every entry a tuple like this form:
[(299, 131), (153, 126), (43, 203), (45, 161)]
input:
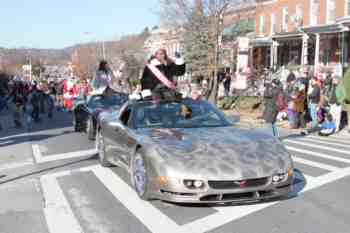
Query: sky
[(63, 23)]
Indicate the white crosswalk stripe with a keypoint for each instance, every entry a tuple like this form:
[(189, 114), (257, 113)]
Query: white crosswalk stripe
[(315, 164), (347, 152), (330, 143), (59, 215), (330, 139), (318, 154), (144, 211)]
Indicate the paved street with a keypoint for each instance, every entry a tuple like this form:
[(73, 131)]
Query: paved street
[(51, 182)]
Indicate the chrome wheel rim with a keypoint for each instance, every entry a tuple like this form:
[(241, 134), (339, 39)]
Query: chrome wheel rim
[(139, 174)]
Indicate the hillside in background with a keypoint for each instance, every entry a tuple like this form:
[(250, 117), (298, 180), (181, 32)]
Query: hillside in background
[(11, 60)]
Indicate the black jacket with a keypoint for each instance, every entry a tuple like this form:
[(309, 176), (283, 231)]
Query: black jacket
[(150, 81)]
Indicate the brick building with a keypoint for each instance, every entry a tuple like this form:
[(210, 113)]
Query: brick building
[(238, 23), (302, 32), (166, 38)]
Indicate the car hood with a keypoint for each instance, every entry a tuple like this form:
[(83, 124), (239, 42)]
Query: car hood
[(224, 153)]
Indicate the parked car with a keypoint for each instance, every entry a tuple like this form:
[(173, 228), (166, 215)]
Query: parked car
[(189, 152), (86, 112)]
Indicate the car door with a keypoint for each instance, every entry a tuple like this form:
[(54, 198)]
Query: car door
[(116, 136), (127, 142)]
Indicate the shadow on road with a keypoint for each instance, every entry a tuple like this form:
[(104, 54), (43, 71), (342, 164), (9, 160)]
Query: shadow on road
[(11, 136), (26, 138), (45, 169)]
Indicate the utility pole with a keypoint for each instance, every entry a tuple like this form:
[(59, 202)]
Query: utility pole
[(103, 50)]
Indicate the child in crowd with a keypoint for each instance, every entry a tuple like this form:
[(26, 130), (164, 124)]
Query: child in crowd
[(328, 126)]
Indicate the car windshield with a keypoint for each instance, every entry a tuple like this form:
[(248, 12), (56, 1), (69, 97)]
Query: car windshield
[(185, 114), (101, 101)]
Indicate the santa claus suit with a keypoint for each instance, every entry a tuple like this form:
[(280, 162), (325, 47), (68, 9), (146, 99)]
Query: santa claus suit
[(69, 92)]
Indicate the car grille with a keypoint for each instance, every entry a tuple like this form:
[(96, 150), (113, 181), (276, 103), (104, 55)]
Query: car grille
[(225, 184)]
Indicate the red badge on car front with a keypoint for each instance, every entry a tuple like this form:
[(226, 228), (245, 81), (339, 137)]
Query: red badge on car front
[(243, 183)]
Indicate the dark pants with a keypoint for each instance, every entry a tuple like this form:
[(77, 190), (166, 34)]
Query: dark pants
[(35, 113)]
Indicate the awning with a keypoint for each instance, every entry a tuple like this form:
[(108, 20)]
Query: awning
[(287, 36), (260, 42), (241, 26), (326, 28), (344, 20)]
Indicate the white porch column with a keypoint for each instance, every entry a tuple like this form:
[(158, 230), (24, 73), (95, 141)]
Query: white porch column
[(274, 53), (317, 50), (304, 50)]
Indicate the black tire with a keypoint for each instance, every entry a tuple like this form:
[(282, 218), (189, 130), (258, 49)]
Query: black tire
[(100, 146), (90, 129), (144, 195)]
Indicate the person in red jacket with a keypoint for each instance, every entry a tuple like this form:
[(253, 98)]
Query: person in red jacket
[(69, 92)]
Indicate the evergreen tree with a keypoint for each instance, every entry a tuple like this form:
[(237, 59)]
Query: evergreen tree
[(197, 43)]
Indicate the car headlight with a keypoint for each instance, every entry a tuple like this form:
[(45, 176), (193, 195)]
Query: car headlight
[(194, 184), (282, 177)]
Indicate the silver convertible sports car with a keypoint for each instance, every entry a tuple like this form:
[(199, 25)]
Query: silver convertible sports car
[(187, 151)]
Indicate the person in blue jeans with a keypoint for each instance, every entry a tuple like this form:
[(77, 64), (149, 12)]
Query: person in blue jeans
[(314, 96)]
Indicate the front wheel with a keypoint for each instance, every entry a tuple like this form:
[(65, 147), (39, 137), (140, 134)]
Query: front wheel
[(139, 176), (100, 147)]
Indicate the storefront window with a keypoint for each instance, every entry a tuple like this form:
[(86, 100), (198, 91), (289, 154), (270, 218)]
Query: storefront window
[(330, 49), (330, 11), (285, 19), (289, 52), (262, 24), (299, 15), (273, 23), (313, 12)]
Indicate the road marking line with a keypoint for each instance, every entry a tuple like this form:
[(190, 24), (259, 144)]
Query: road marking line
[(6, 142), (150, 216), (58, 213), (320, 155), (315, 164), (14, 136), (347, 152), (231, 213), (224, 216), (37, 153), (325, 142), (337, 136), (328, 178), (329, 139), (69, 155), (307, 177), (15, 165), (39, 158)]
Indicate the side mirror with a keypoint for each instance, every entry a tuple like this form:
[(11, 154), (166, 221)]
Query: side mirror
[(233, 119)]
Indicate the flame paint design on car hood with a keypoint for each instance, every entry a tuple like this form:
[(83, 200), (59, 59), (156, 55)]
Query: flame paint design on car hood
[(222, 153)]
